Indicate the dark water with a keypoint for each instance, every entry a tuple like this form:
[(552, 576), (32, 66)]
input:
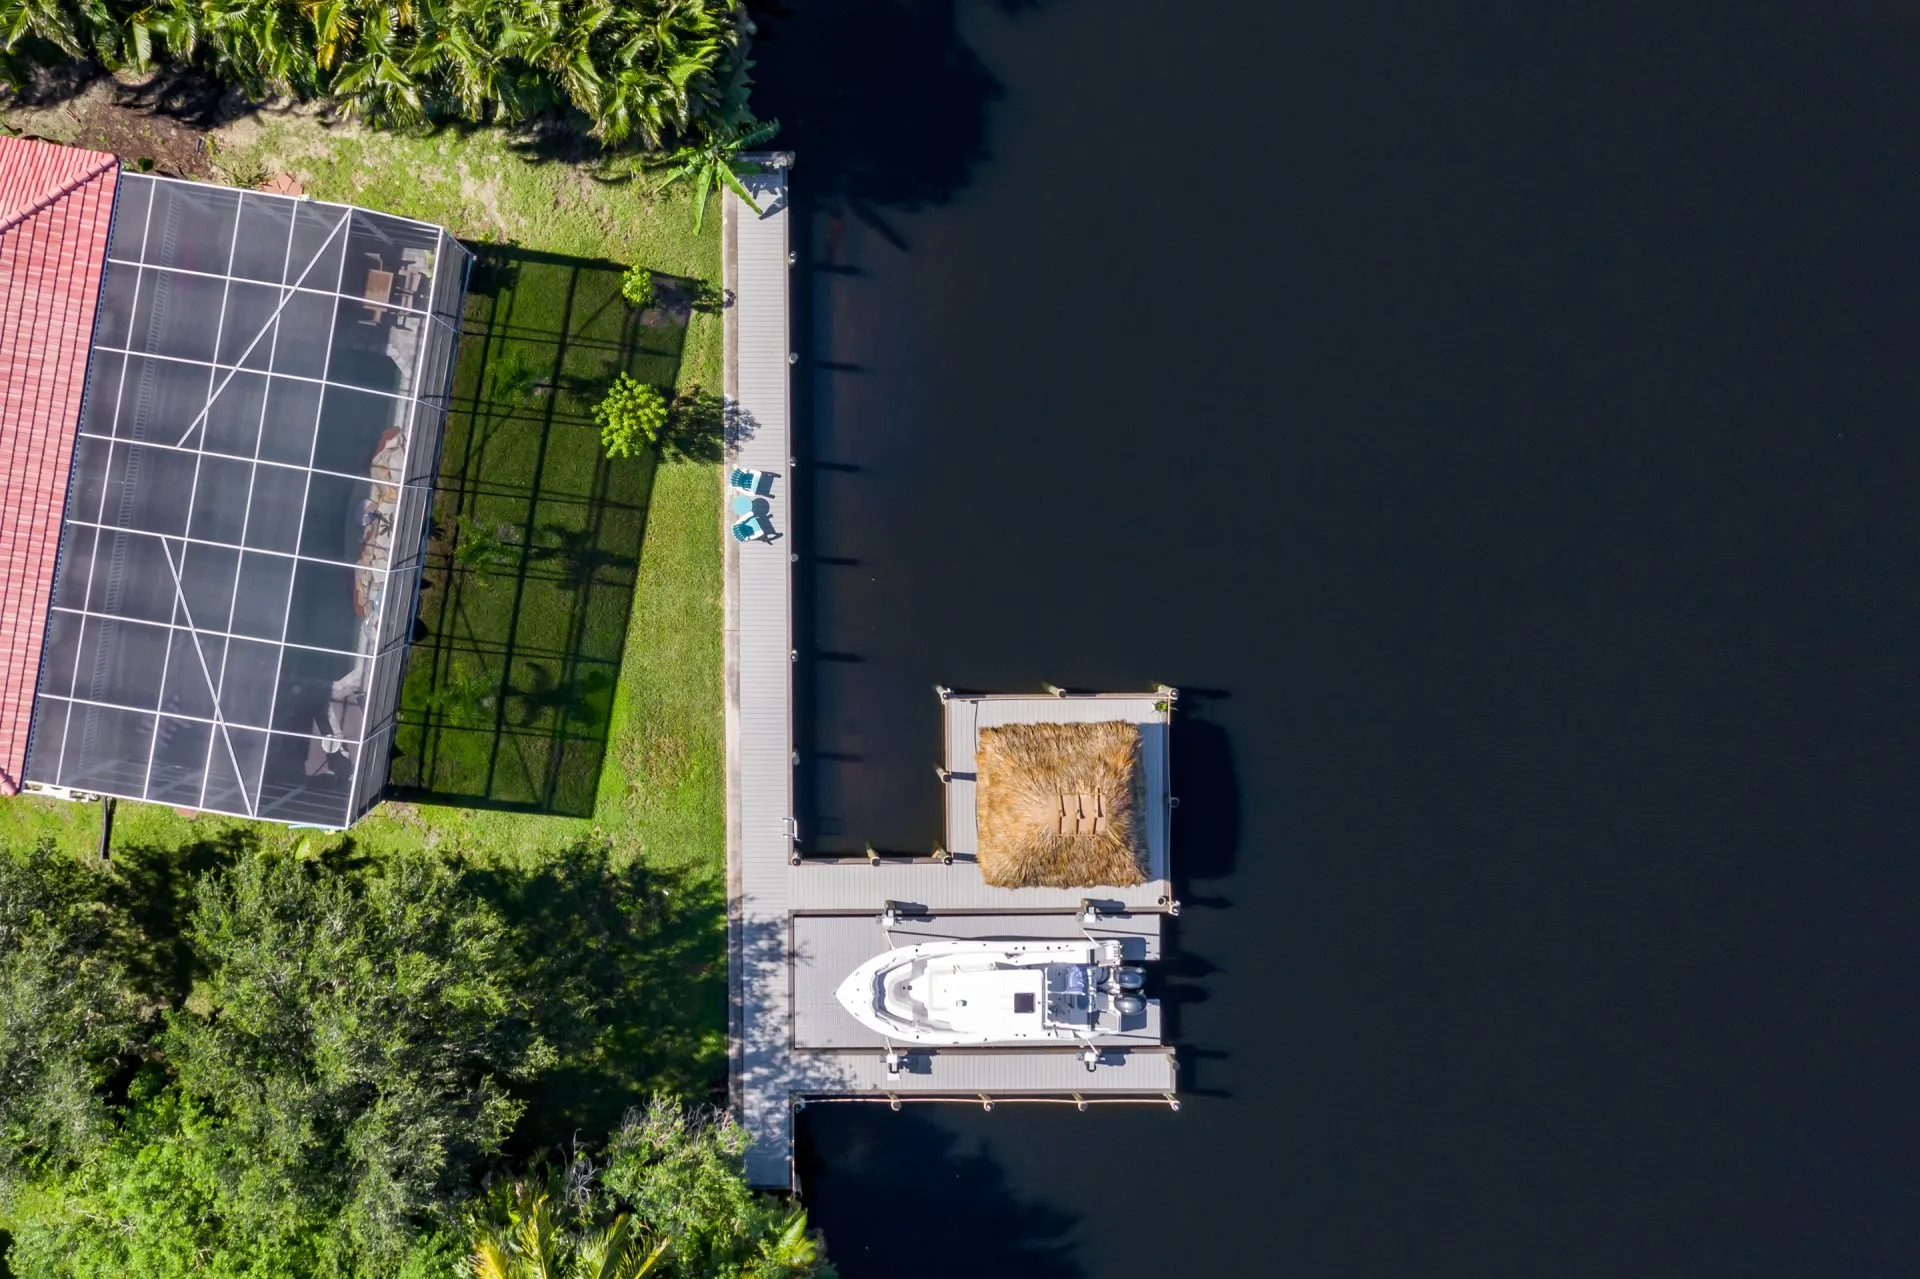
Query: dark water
[(1506, 427)]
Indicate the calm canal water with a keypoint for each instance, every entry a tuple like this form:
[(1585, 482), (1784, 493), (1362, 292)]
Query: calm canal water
[(1505, 427)]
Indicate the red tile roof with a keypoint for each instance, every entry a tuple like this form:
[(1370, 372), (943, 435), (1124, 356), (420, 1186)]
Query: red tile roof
[(56, 206)]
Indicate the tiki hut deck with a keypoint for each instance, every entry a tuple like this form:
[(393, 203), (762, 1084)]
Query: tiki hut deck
[(1061, 805)]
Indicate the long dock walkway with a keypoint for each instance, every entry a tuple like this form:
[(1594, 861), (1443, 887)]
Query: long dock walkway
[(759, 665), (797, 926)]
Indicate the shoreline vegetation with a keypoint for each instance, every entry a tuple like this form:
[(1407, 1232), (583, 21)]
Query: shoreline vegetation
[(550, 858)]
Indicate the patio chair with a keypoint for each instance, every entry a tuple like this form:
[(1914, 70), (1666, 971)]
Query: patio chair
[(748, 481), (754, 527)]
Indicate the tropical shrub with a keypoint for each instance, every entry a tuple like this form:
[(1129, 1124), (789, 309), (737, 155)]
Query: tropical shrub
[(714, 161), (514, 380), (482, 551), (669, 1196), (643, 70), (636, 286), (157, 1201), (463, 696), (631, 415)]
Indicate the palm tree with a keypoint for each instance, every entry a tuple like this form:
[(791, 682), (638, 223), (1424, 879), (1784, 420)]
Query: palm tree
[(522, 1236), (372, 57), (48, 32), (260, 45), (715, 161), (793, 1251), (49, 20)]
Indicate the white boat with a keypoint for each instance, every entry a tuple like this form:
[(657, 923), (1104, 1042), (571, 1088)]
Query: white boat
[(995, 992)]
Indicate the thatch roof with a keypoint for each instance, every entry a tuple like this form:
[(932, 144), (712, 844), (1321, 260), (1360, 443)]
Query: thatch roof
[(1061, 805)]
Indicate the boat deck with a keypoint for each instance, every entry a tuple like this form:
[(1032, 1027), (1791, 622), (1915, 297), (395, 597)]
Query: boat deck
[(825, 948)]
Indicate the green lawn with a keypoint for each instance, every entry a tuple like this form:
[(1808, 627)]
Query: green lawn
[(571, 691)]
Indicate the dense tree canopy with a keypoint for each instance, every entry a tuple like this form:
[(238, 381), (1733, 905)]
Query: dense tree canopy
[(161, 1201), (67, 1010), (638, 69), (328, 1075), (355, 1038), (337, 1073)]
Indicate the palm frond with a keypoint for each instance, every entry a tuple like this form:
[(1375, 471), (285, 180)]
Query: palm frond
[(702, 187), (759, 135), (734, 184)]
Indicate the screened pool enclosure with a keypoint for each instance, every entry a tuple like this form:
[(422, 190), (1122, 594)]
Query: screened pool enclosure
[(243, 535)]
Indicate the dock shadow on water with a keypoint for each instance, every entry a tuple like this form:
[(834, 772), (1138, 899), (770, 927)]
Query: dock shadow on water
[(1206, 828), (908, 1196), (536, 539), (907, 127), (1206, 833)]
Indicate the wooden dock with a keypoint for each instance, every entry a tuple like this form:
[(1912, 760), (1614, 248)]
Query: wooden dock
[(797, 925)]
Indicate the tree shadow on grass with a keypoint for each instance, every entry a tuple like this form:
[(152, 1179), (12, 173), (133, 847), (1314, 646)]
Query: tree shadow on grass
[(152, 890), (510, 683), (628, 964), (701, 426)]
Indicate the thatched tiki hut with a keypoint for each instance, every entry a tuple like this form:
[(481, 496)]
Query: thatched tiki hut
[(1061, 805)]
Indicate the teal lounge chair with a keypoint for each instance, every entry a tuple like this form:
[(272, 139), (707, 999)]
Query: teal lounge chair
[(748, 481), (754, 527)]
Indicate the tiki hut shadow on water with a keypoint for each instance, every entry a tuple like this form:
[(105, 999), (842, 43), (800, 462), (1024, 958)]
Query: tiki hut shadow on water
[(1060, 805)]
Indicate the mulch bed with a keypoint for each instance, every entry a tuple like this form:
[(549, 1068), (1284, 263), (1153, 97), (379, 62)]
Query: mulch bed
[(160, 122)]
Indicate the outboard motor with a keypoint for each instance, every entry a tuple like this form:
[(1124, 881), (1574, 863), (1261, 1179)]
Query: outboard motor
[(1120, 987)]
